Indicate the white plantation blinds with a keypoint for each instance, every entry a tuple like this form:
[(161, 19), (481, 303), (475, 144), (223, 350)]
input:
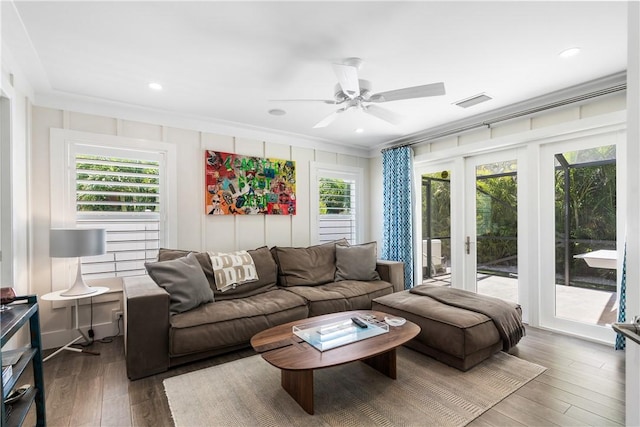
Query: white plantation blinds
[(121, 192), (337, 216)]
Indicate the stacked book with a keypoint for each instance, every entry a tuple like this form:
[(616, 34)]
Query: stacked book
[(9, 359)]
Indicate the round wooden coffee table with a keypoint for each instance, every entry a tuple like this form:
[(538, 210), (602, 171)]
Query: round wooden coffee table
[(297, 359)]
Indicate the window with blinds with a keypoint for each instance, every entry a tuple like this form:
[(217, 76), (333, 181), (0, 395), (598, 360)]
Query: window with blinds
[(123, 196), (337, 217)]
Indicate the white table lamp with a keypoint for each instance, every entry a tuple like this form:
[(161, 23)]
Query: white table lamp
[(76, 243)]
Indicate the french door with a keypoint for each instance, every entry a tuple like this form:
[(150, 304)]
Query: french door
[(437, 242), (579, 250), (491, 223)]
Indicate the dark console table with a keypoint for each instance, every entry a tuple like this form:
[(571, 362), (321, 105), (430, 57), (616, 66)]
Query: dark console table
[(23, 309)]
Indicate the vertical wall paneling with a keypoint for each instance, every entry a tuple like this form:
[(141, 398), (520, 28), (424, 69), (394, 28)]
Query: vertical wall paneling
[(92, 123), (150, 132), (510, 127), (441, 144), (300, 226), (19, 191), (326, 157), (604, 105), (632, 385), (554, 117), (164, 133), (43, 120), (375, 201), (189, 198), (218, 231), (473, 136), (365, 205), (65, 119), (278, 227), (346, 160)]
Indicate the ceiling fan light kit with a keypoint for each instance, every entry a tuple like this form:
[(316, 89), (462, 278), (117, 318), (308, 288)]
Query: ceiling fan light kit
[(355, 93)]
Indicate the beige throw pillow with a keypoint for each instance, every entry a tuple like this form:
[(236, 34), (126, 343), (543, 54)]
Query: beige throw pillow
[(232, 269)]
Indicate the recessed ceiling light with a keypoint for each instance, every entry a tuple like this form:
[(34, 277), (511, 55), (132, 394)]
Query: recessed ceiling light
[(359, 130), (155, 86), (568, 53), (277, 112)]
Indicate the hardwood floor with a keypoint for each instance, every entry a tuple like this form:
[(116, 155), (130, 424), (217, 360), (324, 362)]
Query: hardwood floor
[(583, 385)]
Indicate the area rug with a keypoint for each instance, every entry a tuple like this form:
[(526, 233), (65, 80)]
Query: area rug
[(247, 392)]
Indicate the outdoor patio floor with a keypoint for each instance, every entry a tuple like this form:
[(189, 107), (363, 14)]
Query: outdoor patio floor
[(583, 305)]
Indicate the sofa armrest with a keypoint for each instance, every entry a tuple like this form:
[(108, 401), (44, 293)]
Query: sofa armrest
[(146, 327), (392, 272)]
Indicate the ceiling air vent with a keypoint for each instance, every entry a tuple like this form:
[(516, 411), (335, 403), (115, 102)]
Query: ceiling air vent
[(474, 100)]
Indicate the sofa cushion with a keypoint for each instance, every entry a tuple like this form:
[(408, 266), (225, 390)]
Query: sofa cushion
[(357, 262), (266, 269), (184, 280), (231, 322), (314, 265), (341, 296)]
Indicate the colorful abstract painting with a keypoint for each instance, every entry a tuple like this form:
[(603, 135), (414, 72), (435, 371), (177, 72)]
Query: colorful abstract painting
[(245, 185)]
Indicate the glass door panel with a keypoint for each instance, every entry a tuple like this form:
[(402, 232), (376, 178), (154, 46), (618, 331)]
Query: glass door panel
[(585, 229), (497, 229), (436, 228), (578, 233)]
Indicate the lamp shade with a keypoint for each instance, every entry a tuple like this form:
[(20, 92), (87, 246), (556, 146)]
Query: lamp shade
[(77, 242)]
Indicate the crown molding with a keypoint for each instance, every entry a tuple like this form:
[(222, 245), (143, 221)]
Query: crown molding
[(89, 105), (494, 116)]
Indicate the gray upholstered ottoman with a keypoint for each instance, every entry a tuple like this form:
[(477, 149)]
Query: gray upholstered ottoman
[(456, 336)]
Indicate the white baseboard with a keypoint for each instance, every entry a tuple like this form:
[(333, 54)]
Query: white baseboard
[(57, 339)]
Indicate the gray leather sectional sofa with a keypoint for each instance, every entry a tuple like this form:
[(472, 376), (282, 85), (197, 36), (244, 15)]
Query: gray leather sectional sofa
[(293, 284)]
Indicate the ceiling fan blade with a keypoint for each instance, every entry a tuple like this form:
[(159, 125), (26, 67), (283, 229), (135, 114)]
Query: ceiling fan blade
[(324, 101), (434, 89), (384, 114), (348, 79), (328, 120)]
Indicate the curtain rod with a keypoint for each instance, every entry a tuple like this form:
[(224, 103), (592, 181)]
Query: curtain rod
[(526, 112)]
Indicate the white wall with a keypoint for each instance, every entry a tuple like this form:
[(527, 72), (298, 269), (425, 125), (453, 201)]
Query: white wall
[(196, 231), (633, 207), (15, 182)]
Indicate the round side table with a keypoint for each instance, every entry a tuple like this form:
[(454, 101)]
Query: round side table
[(56, 296)]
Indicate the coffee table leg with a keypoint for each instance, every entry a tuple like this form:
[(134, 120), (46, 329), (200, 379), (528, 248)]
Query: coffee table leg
[(299, 384), (385, 363)]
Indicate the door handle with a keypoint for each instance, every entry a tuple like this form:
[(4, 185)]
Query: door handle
[(467, 245)]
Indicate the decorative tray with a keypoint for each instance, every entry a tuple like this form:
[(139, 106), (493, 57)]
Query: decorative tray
[(338, 333)]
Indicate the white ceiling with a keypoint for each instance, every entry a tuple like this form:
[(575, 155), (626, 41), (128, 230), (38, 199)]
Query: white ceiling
[(224, 61)]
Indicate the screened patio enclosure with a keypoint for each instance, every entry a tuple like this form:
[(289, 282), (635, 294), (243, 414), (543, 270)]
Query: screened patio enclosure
[(585, 222)]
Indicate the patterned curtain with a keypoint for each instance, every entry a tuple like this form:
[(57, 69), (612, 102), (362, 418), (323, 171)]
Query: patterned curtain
[(398, 216), (622, 303)]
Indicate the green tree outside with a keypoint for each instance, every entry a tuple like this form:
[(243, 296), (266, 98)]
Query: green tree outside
[(111, 178)]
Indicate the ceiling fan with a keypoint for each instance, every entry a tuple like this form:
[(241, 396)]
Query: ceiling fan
[(354, 93)]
